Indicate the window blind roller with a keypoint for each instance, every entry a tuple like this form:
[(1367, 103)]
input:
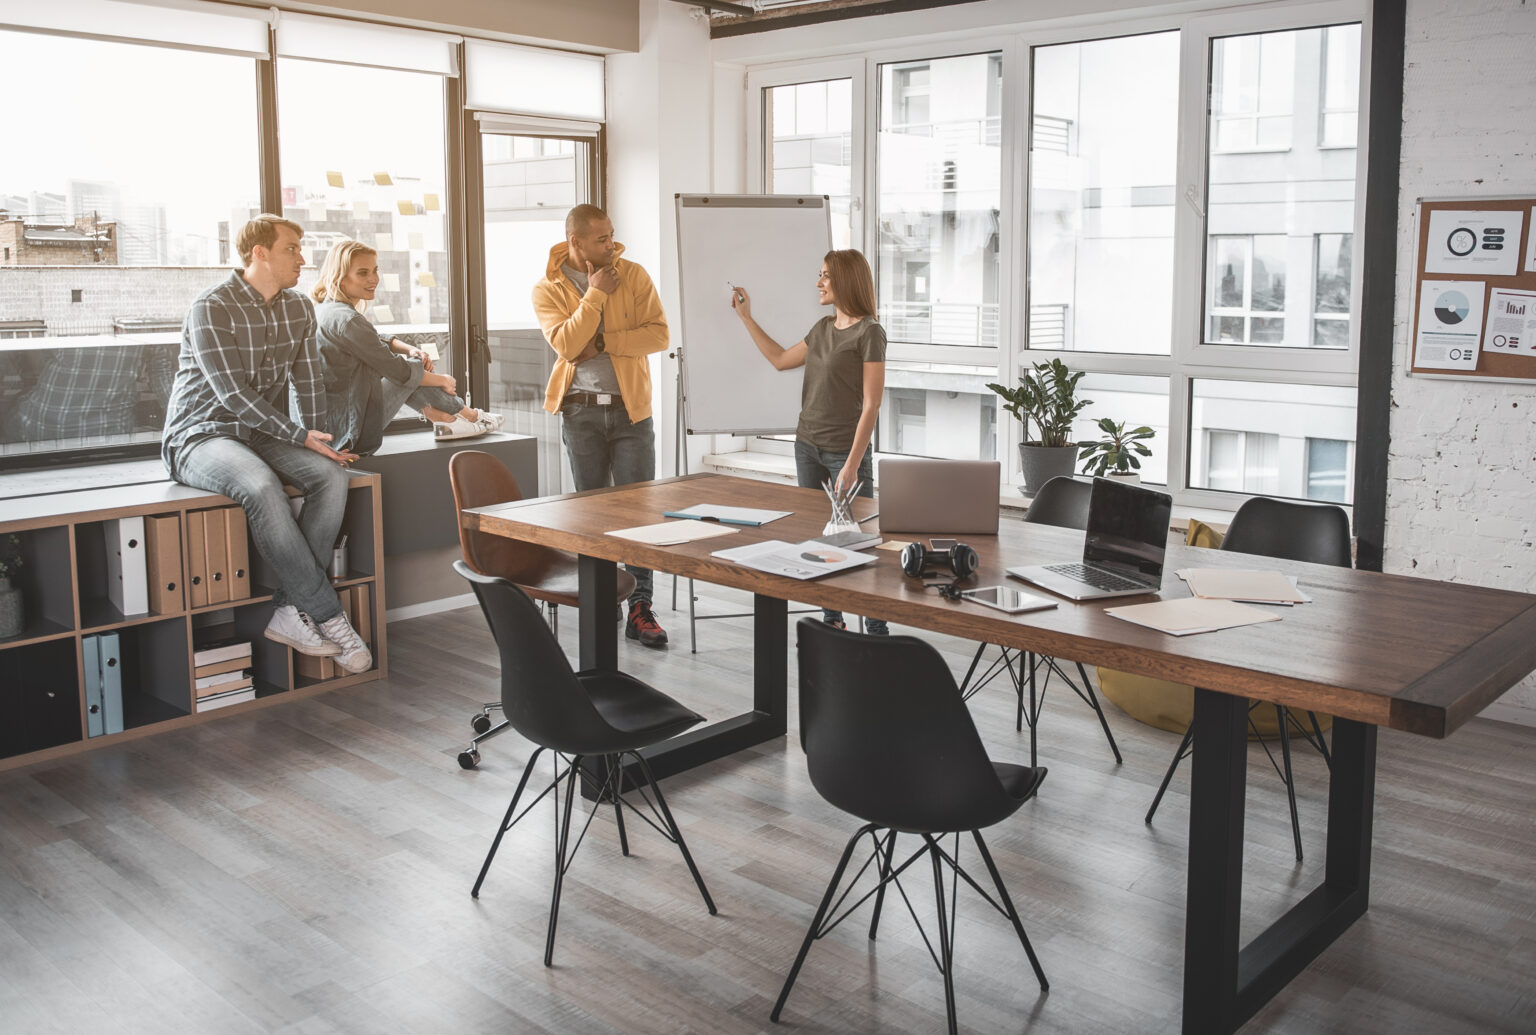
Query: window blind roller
[(533, 81), (361, 43), (214, 27)]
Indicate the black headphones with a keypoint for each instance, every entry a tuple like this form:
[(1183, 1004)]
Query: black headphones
[(917, 561)]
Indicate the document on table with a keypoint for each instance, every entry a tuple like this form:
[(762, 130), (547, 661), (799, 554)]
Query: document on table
[(749, 516), (807, 560), (1255, 587), (671, 533), (1191, 615)]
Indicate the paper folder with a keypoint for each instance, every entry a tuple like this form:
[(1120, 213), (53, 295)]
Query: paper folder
[(90, 651), (238, 543), (197, 577), (216, 553), (111, 683), (126, 585), (162, 556)]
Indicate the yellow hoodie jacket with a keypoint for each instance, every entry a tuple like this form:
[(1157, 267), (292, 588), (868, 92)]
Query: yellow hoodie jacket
[(633, 327)]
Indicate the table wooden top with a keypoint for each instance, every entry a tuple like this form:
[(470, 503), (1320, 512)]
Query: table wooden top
[(1395, 651)]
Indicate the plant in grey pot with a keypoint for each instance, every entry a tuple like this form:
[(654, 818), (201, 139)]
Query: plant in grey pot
[(13, 618), (1114, 455), (1047, 395)]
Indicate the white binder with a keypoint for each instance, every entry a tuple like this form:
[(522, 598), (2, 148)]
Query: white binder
[(127, 582)]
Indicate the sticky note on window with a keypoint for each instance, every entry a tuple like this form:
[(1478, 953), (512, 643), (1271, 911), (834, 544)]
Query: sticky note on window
[(391, 282), (317, 211), (360, 208), (430, 203), (383, 180), (384, 242), (418, 242), (334, 179), (407, 208), (418, 314), (426, 279), (381, 314)]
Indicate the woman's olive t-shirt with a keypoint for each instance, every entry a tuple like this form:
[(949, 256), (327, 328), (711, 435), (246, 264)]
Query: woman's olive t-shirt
[(833, 395)]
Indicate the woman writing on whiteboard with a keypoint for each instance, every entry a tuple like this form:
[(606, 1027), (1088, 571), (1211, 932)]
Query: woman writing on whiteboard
[(844, 359)]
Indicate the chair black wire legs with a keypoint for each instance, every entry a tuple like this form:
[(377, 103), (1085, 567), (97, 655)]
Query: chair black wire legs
[(832, 910), (1029, 663), (609, 776)]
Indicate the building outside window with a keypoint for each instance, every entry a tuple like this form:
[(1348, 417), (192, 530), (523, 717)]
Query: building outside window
[(1331, 291), (811, 146), (1247, 283)]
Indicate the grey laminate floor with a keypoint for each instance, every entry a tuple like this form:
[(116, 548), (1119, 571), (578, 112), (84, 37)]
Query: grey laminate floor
[(306, 868)]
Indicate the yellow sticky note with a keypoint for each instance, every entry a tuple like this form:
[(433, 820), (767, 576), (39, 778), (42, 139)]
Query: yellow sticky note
[(381, 314), (407, 208), (359, 208), (383, 180), (418, 242), (430, 203), (426, 279), (334, 179), (391, 282), (384, 242)]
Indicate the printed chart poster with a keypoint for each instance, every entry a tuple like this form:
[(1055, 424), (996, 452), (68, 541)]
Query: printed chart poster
[(1450, 324), (1486, 244), (1511, 323)]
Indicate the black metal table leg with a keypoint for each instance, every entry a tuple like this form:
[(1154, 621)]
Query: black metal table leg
[(1223, 984), (599, 596)]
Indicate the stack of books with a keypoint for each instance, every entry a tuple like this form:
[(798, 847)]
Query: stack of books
[(222, 675)]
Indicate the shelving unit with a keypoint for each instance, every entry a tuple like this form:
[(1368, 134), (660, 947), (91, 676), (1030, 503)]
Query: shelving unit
[(63, 583)]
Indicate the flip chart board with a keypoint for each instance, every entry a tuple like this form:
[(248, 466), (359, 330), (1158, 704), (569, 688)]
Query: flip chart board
[(772, 245)]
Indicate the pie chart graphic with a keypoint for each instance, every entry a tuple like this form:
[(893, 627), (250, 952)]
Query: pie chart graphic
[(1451, 307), (823, 556)]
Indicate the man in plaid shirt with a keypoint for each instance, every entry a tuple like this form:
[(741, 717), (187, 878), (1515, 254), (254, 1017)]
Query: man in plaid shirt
[(228, 430)]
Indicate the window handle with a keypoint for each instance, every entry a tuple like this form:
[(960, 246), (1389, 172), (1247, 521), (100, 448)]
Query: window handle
[(1192, 195)]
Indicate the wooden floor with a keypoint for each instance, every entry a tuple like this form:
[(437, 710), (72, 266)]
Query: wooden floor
[(306, 868)]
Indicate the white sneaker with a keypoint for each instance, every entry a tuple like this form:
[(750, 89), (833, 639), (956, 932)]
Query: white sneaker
[(458, 428), (295, 628), (352, 653), (491, 421)]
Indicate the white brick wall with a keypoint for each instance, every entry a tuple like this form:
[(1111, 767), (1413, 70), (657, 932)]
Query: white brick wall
[(1461, 491)]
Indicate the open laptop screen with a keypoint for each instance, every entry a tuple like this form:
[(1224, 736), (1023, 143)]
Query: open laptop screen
[(1127, 529)]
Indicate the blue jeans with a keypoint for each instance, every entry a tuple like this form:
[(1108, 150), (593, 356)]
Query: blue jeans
[(607, 449), (813, 466), (416, 396), (252, 474)]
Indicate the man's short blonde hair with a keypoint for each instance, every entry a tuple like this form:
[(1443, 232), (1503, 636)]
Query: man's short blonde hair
[(262, 231)]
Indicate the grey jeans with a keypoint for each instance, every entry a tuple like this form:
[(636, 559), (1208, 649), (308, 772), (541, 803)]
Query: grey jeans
[(814, 465), (253, 474), (607, 449), (415, 395)]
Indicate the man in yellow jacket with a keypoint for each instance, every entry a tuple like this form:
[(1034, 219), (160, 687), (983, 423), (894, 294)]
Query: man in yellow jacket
[(602, 317)]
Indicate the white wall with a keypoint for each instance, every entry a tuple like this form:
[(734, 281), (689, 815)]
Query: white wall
[(1461, 496)]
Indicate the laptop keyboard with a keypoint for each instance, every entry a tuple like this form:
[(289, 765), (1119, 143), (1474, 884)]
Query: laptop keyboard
[(1093, 576)]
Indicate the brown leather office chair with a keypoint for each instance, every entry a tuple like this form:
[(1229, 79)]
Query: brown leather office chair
[(547, 575)]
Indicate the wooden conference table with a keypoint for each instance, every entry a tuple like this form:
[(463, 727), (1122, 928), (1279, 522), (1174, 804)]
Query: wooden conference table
[(1371, 649)]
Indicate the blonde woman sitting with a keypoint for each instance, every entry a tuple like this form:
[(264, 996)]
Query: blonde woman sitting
[(368, 377)]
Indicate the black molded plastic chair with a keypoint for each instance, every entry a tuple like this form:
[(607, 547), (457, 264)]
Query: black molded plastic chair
[(479, 479), (1310, 532), (1062, 501), (578, 717), (888, 739)]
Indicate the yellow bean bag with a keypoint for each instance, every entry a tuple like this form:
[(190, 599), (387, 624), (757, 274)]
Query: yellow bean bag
[(1170, 706)]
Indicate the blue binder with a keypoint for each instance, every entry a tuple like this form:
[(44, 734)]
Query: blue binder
[(91, 662), (111, 683)]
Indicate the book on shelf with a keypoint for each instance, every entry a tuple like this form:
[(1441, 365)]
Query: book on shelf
[(221, 650), (235, 696), (215, 667), (207, 686)]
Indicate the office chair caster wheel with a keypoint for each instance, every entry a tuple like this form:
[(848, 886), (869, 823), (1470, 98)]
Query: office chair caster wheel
[(469, 759), (480, 723)]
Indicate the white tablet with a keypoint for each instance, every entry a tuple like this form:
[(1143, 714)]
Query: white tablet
[(1006, 598)]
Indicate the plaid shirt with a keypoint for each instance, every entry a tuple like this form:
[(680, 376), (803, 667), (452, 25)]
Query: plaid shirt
[(238, 352), (83, 392)]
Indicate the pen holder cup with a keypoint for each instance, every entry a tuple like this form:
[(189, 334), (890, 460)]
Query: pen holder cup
[(339, 563)]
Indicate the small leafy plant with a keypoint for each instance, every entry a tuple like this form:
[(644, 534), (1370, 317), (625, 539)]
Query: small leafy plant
[(1047, 395), (1116, 451), (10, 556)]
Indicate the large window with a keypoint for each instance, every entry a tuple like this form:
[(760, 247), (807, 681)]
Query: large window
[(811, 146), (112, 228)]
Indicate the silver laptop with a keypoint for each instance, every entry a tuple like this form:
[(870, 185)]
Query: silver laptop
[(948, 497), (1122, 552)]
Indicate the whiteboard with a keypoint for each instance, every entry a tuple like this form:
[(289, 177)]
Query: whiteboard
[(772, 245)]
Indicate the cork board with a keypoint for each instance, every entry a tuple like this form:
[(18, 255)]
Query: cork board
[(1469, 296)]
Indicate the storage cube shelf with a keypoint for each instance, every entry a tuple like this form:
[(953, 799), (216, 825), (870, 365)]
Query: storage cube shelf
[(185, 535)]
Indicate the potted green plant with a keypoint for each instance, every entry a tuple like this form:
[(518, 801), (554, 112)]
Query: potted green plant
[(13, 618), (1115, 454), (1047, 395)]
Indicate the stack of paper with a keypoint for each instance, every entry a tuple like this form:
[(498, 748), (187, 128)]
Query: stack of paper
[(671, 533), (1191, 615), (750, 516), (807, 560), (1256, 587)]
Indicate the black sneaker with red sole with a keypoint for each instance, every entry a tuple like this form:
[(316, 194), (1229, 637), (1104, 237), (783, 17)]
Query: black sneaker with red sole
[(642, 626)]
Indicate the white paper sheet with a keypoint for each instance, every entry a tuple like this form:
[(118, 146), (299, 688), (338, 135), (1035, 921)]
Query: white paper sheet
[(672, 533), (731, 515), (807, 560), (1191, 615), (1256, 587), (1511, 323), (1483, 243), (1450, 324)]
